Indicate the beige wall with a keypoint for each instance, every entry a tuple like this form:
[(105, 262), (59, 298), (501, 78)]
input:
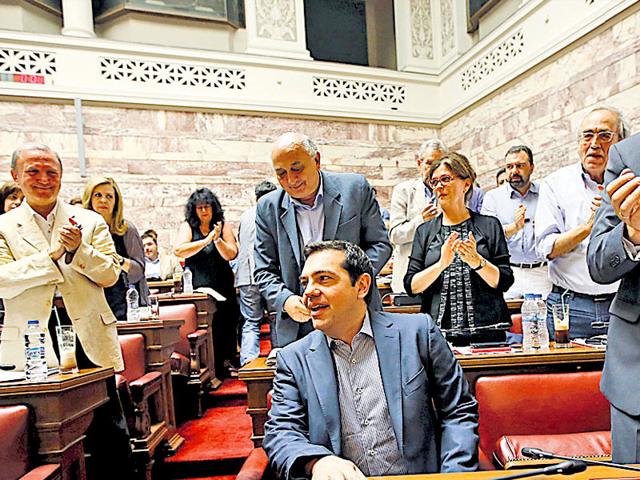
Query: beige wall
[(543, 109)]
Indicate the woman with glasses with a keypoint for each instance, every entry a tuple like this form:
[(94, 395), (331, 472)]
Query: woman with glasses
[(207, 244), (459, 261), (103, 196)]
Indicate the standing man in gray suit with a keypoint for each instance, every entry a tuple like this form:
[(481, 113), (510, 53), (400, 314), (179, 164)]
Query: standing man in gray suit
[(311, 206), (614, 254)]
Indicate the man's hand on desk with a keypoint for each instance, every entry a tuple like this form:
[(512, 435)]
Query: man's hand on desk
[(296, 309), (335, 468)]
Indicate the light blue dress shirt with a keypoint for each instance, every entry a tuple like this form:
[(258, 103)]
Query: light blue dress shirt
[(502, 203), (310, 218)]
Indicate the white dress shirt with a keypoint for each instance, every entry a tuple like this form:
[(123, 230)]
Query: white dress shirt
[(564, 203)]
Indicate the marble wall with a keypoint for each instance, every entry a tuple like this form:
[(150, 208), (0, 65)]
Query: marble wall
[(159, 156)]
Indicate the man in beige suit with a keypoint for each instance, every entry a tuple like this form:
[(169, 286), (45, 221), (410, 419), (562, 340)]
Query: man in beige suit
[(412, 204), (52, 252)]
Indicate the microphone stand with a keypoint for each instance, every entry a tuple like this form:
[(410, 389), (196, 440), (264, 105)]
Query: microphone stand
[(565, 468), (537, 453)]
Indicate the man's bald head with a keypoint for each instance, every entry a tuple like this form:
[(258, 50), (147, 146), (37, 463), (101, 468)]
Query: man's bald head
[(296, 162)]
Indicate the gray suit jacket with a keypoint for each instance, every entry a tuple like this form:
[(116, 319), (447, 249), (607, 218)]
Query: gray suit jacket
[(608, 262), (418, 372), (351, 213)]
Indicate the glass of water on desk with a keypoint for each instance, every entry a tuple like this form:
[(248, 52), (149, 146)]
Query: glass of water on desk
[(154, 305)]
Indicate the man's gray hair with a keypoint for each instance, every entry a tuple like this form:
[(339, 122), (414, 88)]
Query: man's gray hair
[(624, 130), (292, 139), (433, 144), (32, 146)]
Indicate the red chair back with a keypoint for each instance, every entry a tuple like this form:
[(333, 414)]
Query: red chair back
[(14, 441), (133, 352), (186, 312), (538, 404)]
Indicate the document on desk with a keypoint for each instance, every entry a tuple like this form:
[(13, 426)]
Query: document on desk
[(212, 293), (11, 375)]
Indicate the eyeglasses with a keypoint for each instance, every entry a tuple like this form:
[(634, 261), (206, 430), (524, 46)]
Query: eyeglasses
[(444, 180), (604, 136)]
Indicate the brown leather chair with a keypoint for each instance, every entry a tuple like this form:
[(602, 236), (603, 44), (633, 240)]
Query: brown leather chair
[(256, 466), (143, 403), (564, 413), (17, 455), (191, 359)]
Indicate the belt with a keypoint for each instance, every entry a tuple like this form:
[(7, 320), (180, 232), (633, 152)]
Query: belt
[(58, 303), (602, 297), (528, 265)]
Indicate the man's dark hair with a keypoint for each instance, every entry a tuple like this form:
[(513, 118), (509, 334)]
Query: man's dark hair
[(263, 188), (501, 171), (151, 233), (203, 196), (356, 262), (148, 235), (518, 149)]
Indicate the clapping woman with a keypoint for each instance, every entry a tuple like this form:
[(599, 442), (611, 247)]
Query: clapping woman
[(103, 196), (459, 261)]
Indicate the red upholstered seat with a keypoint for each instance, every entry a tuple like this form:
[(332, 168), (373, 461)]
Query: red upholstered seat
[(540, 408), (16, 459), (516, 323), (255, 466), (133, 352), (191, 357)]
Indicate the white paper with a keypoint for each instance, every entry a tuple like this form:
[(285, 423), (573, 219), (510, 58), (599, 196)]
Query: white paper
[(211, 292), (11, 375)]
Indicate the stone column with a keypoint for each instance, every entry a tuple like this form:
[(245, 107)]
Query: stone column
[(77, 18), (276, 28), (415, 36)]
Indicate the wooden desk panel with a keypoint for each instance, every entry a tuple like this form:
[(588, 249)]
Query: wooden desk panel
[(259, 377), (63, 407), (160, 336)]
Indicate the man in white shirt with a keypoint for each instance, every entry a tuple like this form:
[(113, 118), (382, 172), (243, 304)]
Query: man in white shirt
[(566, 210), (514, 204)]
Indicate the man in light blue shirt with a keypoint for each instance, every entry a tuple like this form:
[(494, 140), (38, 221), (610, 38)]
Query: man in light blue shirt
[(514, 204)]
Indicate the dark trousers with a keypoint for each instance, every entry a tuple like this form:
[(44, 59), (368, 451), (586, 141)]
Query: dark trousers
[(108, 440)]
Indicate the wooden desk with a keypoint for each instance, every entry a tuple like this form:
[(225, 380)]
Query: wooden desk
[(162, 286), (514, 306), (259, 377), (590, 473), (63, 407), (206, 309), (160, 336)]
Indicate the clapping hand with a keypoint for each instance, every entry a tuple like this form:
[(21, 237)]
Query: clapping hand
[(520, 216), (447, 251), (430, 212), (624, 192), (467, 251)]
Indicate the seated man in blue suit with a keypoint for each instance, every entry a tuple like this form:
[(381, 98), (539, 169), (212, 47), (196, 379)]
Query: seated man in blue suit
[(367, 393), (311, 206)]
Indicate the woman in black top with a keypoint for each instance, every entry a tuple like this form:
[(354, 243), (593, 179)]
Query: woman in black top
[(459, 260), (208, 244), (103, 196)]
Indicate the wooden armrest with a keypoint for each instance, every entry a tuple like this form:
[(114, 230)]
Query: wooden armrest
[(49, 471), (146, 385)]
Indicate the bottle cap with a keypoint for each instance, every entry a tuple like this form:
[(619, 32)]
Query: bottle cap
[(131, 285), (33, 322)]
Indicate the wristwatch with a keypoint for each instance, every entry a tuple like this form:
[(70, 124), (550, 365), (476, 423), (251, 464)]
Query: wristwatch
[(483, 263)]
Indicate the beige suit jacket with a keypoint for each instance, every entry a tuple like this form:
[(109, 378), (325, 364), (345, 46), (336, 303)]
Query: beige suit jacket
[(407, 203), (28, 281)]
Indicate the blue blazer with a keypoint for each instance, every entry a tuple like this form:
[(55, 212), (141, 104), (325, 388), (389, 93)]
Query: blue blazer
[(434, 416), (351, 213), (608, 262)]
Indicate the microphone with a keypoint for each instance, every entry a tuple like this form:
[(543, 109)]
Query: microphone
[(537, 453), (495, 326), (565, 468)]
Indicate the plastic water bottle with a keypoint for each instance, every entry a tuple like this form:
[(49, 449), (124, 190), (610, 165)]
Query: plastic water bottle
[(542, 322), (35, 365), (132, 304), (530, 325), (187, 281)]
